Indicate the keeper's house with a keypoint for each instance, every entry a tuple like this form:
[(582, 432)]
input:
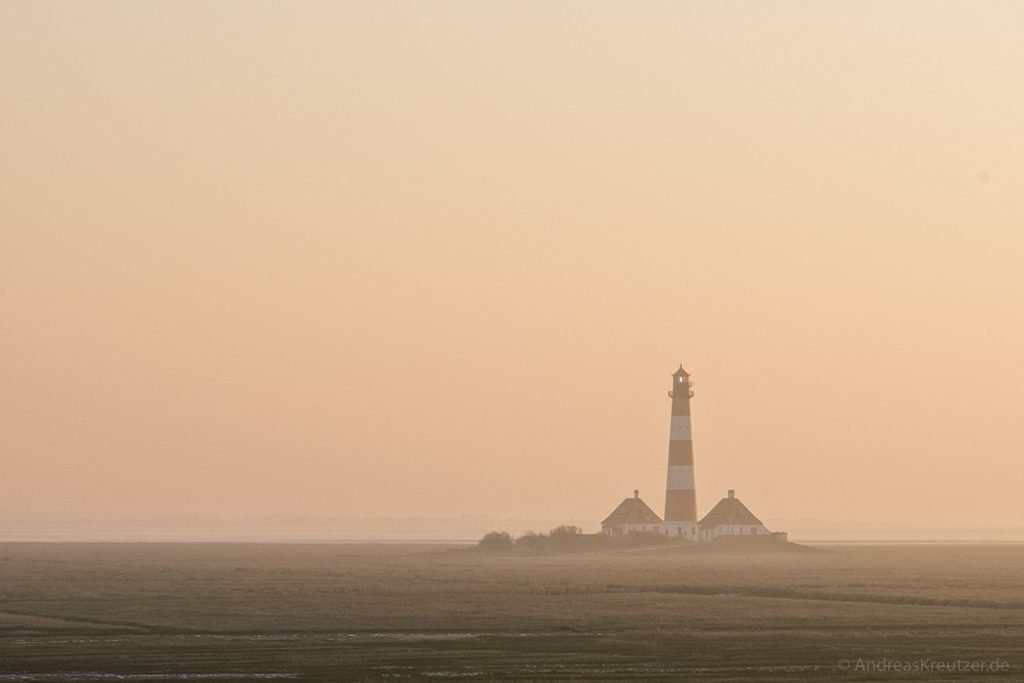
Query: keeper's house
[(730, 517), (728, 520), (630, 517)]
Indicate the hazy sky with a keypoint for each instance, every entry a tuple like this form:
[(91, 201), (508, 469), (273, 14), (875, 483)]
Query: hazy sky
[(435, 258)]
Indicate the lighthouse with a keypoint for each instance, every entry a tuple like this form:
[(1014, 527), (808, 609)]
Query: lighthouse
[(680, 493)]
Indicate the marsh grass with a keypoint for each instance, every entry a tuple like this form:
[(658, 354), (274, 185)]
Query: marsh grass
[(392, 612)]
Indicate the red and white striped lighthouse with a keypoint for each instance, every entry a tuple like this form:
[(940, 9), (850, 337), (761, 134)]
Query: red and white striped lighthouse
[(680, 493)]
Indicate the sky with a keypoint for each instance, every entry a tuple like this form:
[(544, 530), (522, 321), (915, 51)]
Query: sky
[(403, 259)]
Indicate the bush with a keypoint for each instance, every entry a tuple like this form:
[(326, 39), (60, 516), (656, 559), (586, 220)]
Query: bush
[(565, 531), (496, 540), (565, 537), (532, 540)]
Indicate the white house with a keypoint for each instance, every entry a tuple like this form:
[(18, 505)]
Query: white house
[(631, 516), (731, 518)]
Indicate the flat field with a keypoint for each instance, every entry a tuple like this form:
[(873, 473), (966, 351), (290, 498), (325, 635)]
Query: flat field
[(337, 612)]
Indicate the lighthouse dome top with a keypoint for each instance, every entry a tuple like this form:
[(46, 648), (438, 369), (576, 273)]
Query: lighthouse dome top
[(680, 372)]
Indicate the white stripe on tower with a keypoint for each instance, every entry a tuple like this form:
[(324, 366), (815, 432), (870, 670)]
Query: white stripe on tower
[(680, 477), (680, 428)]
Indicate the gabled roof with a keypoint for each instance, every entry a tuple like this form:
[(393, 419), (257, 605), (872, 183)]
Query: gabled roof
[(632, 511), (728, 511)]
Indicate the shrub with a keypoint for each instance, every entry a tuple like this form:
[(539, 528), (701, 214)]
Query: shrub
[(496, 540), (532, 540), (565, 537), (565, 531)]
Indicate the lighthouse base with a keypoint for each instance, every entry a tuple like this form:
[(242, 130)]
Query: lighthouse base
[(684, 530)]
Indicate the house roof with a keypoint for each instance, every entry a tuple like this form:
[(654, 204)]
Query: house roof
[(632, 511), (728, 511)]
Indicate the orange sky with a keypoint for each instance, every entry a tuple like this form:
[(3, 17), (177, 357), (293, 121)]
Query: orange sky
[(376, 258)]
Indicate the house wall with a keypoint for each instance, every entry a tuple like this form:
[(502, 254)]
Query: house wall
[(689, 531), (733, 530), (621, 529)]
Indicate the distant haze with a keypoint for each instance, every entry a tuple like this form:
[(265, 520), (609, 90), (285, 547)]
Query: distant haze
[(372, 259)]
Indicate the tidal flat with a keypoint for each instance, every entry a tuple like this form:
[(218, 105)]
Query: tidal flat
[(394, 612)]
